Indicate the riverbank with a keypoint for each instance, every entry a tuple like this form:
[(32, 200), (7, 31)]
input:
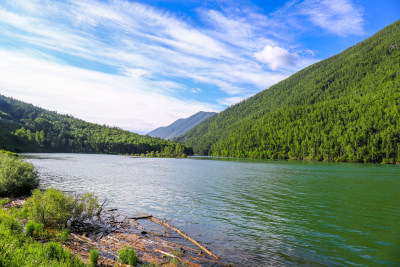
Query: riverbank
[(154, 240)]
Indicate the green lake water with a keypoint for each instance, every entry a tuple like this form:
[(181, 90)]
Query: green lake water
[(252, 213)]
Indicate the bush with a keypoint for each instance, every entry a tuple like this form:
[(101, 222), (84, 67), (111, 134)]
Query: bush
[(127, 255), (94, 257), (64, 235), (56, 252), (30, 228), (17, 177), (8, 153), (33, 229), (10, 223), (18, 250), (53, 208)]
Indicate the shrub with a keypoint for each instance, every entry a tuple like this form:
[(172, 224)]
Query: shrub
[(55, 251), (4, 201), (10, 223), (30, 228), (53, 208), (8, 153), (33, 229), (127, 255), (17, 177), (64, 235), (17, 250), (94, 257)]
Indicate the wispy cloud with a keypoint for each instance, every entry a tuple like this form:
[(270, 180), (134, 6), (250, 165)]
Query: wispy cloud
[(195, 90), (340, 16), (146, 58), (91, 95)]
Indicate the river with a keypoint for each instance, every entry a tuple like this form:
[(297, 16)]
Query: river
[(251, 212)]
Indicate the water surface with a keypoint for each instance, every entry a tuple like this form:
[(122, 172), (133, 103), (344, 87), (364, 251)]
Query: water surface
[(252, 212)]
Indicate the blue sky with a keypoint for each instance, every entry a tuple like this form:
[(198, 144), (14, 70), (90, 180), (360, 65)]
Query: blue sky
[(140, 65)]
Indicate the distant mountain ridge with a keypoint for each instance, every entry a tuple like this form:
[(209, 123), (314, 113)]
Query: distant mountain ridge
[(181, 126), (345, 108)]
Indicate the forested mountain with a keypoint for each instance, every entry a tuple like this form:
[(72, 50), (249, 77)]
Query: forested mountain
[(344, 108), (181, 126), (26, 128)]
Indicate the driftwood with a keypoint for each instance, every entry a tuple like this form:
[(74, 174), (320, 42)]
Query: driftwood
[(151, 218), (140, 217), (112, 209), (113, 231), (184, 235)]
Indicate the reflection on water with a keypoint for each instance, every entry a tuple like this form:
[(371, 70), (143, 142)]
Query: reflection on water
[(252, 212)]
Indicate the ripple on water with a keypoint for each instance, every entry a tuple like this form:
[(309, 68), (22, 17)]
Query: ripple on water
[(252, 212)]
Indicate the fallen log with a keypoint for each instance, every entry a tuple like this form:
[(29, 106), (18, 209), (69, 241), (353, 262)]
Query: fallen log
[(151, 217), (184, 235), (112, 210), (140, 217)]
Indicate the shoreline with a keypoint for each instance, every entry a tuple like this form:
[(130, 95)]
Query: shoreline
[(155, 242)]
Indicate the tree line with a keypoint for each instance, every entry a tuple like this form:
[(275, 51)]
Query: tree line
[(27, 128), (345, 108)]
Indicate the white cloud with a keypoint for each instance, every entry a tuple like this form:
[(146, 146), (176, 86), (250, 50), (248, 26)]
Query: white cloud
[(195, 90), (152, 53), (229, 101), (339, 16), (276, 57), (135, 73), (90, 95)]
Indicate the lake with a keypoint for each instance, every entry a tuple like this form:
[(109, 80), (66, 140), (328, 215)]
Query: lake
[(251, 212)]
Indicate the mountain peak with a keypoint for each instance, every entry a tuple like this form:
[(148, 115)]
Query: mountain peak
[(181, 126)]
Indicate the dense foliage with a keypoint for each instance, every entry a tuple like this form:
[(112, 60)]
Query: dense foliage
[(57, 210), (345, 108), (21, 249), (181, 126), (94, 257), (127, 255), (26, 128), (17, 177)]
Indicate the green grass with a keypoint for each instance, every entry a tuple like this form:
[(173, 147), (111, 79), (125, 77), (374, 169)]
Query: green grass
[(38, 243), (64, 235), (127, 255), (20, 249), (94, 257)]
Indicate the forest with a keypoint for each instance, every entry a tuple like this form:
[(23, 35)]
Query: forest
[(345, 109), (27, 128)]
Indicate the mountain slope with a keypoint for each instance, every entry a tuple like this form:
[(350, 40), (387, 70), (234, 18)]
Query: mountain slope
[(181, 126), (344, 108), (26, 128)]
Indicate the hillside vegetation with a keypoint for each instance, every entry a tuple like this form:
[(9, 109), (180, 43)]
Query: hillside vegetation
[(26, 128), (345, 108), (181, 126)]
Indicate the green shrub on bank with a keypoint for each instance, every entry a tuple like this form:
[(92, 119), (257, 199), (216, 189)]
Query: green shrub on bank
[(8, 153), (33, 229), (64, 235), (18, 249), (127, 255), (55, 209), (94, 257), (17, 177)]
